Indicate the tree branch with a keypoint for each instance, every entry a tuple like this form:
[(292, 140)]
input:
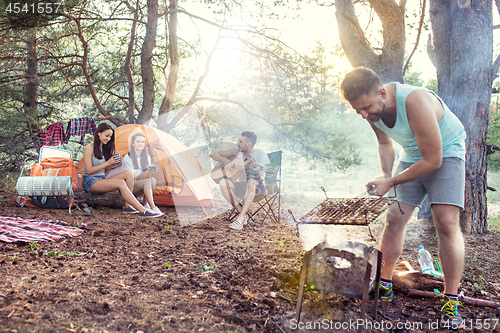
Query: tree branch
[(420, 25), (86, 72), (192, 100)]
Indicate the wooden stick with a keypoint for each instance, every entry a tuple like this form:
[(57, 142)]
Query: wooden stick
[(464, 299)]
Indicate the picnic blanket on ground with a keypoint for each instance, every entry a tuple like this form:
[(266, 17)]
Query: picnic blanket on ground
[(24, 229)]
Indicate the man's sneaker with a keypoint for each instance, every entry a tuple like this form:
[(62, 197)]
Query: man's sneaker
[(384, 293), (130, 210), (236, 225), (451, 318), (157, 211), (149, 213)]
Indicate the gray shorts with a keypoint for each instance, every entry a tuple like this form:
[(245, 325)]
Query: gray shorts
[(240, 189), (445, 185)]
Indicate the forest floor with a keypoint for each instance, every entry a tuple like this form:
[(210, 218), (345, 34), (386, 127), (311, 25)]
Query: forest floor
[(130, 274)]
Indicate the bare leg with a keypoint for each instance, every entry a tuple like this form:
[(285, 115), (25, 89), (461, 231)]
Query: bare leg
[(227, 189), (393, 237), (108, 185), (451, 245), (145, 186), (128, 177), (252, 186)]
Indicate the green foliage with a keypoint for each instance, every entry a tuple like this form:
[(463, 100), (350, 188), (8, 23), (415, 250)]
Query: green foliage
[(290, 99), (60, 253), (33, 246), (203, 267), (413, 78), (432, 84), (493, 138)]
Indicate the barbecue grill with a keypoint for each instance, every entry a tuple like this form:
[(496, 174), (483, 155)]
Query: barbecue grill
[(320, 267), (361, 210)]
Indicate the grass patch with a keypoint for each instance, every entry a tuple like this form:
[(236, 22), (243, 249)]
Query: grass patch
[(9, 179), (494, 223), (493, 181)]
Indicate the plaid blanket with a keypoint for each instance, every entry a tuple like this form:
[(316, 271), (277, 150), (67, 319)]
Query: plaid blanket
[(24, 229)]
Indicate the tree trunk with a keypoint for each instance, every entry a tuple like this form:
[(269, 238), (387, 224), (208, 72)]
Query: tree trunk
[(173, 54), (111, 200), (30, 104), (128, 70), (148, 78), (463, 45), (389, 63)]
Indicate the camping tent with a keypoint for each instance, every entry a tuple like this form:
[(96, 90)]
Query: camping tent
[(180, 179)]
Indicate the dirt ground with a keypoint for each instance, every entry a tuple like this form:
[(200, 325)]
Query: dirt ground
[(130, 274)]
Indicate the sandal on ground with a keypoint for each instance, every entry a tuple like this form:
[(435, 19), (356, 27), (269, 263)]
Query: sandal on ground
[(236, 225)]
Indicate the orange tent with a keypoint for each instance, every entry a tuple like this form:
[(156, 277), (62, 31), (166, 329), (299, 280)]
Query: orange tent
[(180, 180)]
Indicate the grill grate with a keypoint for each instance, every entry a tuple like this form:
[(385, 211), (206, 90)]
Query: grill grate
[(361, 210)]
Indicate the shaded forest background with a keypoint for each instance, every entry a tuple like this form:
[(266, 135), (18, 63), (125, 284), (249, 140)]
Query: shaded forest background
[(127, 59)]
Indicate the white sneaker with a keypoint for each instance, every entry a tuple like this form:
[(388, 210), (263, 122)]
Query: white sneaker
[(147, 206), (245, 219), (157, 210)]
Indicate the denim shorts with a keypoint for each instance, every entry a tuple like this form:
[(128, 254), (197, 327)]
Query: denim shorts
[(445, 185), (88, 181)]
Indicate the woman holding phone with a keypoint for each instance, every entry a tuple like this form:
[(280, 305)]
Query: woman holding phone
[(98, 157), (138, 161)]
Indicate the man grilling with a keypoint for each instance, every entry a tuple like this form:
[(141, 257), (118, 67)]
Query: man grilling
[(432, 163), (249, 185)]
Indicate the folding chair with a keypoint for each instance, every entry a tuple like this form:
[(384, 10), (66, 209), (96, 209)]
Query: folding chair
[(272, 182), (47, 151)]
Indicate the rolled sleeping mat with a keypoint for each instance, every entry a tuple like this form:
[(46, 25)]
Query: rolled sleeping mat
[(45, 186)]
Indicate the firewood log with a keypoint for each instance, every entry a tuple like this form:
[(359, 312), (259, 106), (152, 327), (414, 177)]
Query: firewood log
[(464, 299), (416, 281)]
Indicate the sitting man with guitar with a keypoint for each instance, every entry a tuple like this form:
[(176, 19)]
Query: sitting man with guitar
[(239, 173)]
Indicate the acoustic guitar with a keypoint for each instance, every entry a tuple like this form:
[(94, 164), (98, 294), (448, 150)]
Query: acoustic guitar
[(241, 168)]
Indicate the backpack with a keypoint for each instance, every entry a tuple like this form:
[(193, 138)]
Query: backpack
[(51, 167), (49, 202), (56, 166)]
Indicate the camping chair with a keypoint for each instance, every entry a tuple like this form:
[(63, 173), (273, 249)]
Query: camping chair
[(272, 182), (47, 151)]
